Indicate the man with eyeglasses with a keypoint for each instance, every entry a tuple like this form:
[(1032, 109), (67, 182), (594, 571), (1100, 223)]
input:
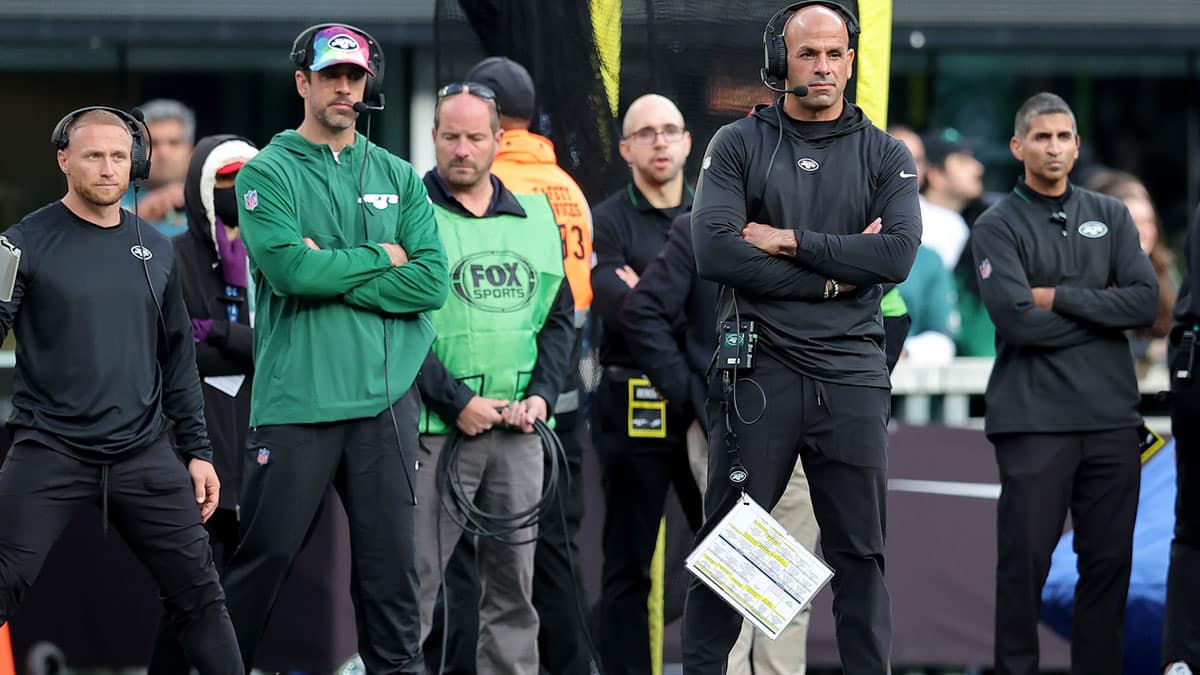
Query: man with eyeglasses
[(505, 337), (642, 442)]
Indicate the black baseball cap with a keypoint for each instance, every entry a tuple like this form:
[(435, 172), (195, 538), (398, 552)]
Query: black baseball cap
[(513, 86), (941, 143)]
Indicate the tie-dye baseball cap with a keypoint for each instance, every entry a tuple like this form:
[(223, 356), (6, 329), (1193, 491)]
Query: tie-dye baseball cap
[(338, 44)]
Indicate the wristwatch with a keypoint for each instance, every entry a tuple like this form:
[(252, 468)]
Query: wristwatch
[(831, 289)]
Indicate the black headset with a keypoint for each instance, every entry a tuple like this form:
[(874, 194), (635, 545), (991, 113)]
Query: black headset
[(774, 46), (302, 56), (139, 155)]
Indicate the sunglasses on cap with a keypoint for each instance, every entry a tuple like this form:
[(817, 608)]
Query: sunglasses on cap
[(473, 88)]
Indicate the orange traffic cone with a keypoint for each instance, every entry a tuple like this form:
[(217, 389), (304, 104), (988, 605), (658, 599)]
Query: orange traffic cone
[(7, 666)]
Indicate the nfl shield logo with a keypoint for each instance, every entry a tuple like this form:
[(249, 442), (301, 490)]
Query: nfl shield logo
[(251, 199), (985, 269), (263, 456)]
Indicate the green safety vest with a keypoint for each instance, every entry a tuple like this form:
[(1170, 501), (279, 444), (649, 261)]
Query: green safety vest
[(505, 272)]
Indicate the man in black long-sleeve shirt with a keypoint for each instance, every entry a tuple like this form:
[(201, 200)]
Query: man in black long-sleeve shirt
[(780, 224), (640, 438), (105, 363), (1181, 635), (1062, 275)]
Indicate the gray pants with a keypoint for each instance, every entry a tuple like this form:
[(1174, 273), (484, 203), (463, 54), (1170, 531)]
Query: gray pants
[(753, 652), (501, 472)]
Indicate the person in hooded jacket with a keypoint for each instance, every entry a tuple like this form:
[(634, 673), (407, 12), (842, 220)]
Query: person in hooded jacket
[(781, 225), (213, 268)]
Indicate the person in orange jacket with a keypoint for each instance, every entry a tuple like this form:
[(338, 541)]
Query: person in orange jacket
[(526, 163)]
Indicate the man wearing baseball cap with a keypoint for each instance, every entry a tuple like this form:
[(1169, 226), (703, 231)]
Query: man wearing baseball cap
[(345, 260), (953, 178)]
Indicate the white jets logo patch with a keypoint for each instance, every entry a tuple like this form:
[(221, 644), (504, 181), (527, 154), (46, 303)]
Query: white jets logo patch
[(141, 252), (1093, 229), (808, 164), (379, 201), (343, 42)]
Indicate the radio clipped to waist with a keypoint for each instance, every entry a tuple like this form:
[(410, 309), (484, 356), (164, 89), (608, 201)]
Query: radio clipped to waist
[(738, 343)]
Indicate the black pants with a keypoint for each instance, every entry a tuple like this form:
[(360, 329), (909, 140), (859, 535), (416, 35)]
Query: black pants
[(289, 469), (1095, 475), (557, 586), (151, 502), (1181, 636), (636, 475), (168, 657), (557, 577), (840, 434)]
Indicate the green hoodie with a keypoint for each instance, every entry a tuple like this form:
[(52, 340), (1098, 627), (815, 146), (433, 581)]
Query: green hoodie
[(319, 341)]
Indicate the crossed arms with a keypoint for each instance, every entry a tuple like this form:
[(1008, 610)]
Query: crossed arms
[(406, 276), (787, 261)]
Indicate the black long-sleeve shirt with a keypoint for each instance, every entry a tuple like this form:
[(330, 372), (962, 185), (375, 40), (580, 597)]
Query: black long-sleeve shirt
[(670, 322), (629, 231), (1069, 368), (447, 396), (96, 378), (825, 181)]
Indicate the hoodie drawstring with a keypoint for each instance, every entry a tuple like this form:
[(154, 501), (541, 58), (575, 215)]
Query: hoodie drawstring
[(822, 396)]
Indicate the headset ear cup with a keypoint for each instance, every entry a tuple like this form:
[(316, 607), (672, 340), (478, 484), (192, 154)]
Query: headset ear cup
[(777, 57), (375, 83), (139, 162)]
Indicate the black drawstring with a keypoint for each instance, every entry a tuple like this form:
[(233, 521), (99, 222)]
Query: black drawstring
[(104, 496), (822, 397)]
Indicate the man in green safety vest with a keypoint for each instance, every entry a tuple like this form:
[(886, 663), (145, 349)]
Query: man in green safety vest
[(504, 340)]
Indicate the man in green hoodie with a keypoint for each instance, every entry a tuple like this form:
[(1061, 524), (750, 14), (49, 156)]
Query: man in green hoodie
[(346, 261)]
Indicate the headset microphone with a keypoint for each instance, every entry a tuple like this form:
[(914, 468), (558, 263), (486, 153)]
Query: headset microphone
[(798, 90), (1060, 217), (362, 107)]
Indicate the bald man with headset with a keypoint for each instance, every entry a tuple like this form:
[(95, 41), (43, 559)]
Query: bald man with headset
[(781, 226)]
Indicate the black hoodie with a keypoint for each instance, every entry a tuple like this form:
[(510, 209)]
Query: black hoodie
[(229, 347), (826, 181)]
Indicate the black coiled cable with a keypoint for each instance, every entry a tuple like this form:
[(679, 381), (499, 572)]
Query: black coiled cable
[(478, 522)]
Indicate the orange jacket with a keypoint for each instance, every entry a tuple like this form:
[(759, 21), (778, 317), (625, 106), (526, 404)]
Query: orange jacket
[(526, 163)]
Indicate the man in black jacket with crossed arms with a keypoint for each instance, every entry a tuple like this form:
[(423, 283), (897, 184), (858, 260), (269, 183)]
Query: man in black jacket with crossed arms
[(1062, 275), (780, 208)]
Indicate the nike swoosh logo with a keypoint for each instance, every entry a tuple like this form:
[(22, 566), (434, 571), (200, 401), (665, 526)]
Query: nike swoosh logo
[(907, 175)]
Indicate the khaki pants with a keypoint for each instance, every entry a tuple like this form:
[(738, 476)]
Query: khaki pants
[(753, 652)]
